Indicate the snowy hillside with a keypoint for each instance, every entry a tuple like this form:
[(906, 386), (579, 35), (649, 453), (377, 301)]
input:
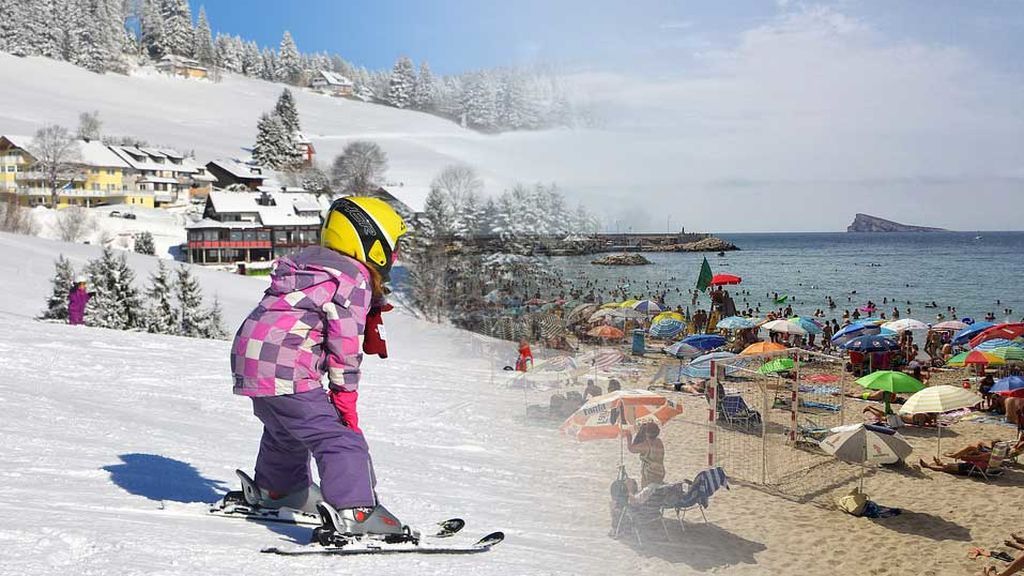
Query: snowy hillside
[(112, 439)]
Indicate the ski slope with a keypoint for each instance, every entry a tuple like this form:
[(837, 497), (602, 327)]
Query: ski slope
[(113, 440)]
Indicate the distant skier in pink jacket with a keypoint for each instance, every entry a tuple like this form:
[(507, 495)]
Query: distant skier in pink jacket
[(78, 298), (307, 326)]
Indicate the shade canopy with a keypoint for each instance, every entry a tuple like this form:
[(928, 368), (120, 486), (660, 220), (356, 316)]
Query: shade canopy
[(612, 415), (866, 444), (1007, 331), (890, 381), (725, 279), (876, 343), (938, 399), (758, 348), (905, 324)]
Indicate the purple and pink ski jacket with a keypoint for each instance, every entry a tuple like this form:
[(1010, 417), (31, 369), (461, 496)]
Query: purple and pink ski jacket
[(307, 324)]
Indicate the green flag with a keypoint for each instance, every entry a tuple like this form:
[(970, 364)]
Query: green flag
[(704, 280)]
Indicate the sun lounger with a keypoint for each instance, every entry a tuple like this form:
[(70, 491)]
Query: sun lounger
[(993, 467), (680, 497), (734, 410)]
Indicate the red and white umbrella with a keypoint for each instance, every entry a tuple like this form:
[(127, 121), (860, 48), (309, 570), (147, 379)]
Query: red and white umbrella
[(611, 415)]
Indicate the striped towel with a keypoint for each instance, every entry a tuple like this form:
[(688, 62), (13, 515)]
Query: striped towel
[(706, 483)]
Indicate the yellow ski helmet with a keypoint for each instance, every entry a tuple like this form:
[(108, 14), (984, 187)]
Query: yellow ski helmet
[(364, 228)]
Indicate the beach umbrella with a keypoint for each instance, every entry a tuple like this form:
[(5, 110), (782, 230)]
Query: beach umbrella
[(606, 333), (776, 366), (682, 350), (627, 303), (736, 323), (725, 279), (975, 357), (647, 307), (704, 341), (890, 381), (580, 313), (809, 325), (611, 305), (871, 320), (847, 333), (937, 400), (510, 328), (666, 328), (700, 367), (759, 348), (493, 296), (877, 343), (954, 325), (905, 324), (545, 375), (611, 415), (971, 331), (599, 359), (995, 343), (713, 356), (626, 314), (668, 314), (1011, 385), (784, 327), (1008, 353), (548, 325), (1007, 331), (866, 444)]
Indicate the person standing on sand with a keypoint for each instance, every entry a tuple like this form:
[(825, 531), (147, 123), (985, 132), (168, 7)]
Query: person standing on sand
[(525, 360), (651, 450), (78, 298)]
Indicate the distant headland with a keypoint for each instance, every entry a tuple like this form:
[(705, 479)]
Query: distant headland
[(867, 223)]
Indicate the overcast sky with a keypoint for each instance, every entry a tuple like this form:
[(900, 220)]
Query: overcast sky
[(734, 116)]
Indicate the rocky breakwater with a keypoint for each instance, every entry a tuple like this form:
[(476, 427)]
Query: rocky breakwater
[(621, 260), (709, 244)]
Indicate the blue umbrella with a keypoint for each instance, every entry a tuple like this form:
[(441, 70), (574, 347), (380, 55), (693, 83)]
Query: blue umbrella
[(667, 328), (700, 367), (682, 350), (852, 331), (1008, 384), (704, 341), (871, 343), (967, 333), (998, 343), (647, 306), (809, 326), (707, 358), (735, 323)]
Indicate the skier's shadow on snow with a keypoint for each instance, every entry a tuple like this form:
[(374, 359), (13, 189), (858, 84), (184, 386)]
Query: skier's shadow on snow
[(160, 478)]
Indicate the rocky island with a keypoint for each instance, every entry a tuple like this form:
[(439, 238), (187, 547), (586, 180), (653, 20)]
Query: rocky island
[(867, 223), (621, 260)]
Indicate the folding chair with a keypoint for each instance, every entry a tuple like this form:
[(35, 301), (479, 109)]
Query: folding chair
[(994, 467), (734, 410)]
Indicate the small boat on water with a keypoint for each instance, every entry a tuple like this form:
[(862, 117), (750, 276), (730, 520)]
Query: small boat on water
[(723, 253), (978, 237)]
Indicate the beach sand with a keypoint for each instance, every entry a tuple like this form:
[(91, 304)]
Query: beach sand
[(792, 526)]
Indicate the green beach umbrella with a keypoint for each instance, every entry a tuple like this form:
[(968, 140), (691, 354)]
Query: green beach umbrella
[(1008, 353), (777, 365), (957, 360), (891, 382)]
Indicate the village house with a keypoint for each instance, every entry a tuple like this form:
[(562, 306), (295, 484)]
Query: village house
[(163, 176), (100, 177), (331, 83), (305, 147), (181, 66), (231, 172), (253, 226)]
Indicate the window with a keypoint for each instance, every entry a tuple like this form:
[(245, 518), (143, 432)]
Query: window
[(211, 235), (235, 235), (12, 168), (110, 171), (263, 235), (250, 235), (280, 236), (96, 187)]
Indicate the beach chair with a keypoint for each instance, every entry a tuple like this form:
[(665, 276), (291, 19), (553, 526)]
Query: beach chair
[(698, 496), (679, 497), (994, 467), (734, 410)]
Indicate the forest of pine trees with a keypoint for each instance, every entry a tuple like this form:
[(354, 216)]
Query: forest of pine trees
[(171, 303), (114, 35)]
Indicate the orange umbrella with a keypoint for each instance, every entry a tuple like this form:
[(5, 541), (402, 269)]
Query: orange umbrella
[(606, 332), (611, 415), (982, 357), (762, 348)]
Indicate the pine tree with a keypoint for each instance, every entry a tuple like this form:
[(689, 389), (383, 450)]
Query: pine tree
[(202, 40), (95, 51), (151, 26), (177, 27), (424, 92), (275, 145), (252, 60), (189, 314), (285, 110), (213, 322), (401, 84), (115, 302), (144, 243), (479, 104), (269, 71), (424, 255), (289, 67), (160, 315), (61, 284)]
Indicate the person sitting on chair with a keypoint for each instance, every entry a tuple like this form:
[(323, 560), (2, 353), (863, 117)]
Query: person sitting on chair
[(592, 390)]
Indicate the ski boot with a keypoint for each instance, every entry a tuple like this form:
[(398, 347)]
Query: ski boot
[(257, 503), (341, 527)]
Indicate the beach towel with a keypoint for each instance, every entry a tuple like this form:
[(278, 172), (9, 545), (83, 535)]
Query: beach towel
[(875, 510)]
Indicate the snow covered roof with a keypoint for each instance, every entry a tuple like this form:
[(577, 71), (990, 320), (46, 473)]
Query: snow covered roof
[(90, 153), (143, 159), (158, 180), (285, 211), (334, 79), (234, 202), (241, 170), (300, 201), (208, 223), (172, 60), (285, 216)]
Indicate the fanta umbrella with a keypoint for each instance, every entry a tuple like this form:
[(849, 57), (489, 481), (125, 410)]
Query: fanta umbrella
[(995, 343), (606, 333), (762, 348), (704, 341), (1008, 331), (611, 415), (725, 279), (669, 314), (809, 326), (1011, 385), (784, 327), (954, 325), (877, 343), (666, 328), (905, 324), (971, 331), (647, 307), (736, 323), (682, 350), (937, 400), (776, 366)]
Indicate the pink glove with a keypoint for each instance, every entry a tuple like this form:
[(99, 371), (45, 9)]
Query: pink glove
[(345, 403)]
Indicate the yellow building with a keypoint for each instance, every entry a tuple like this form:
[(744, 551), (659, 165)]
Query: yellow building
[(98, 179), (181, 66)]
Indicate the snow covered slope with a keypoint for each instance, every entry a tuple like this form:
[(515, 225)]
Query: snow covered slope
[(111, 440)]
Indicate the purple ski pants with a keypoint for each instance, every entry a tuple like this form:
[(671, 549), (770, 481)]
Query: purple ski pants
[(294, 425)]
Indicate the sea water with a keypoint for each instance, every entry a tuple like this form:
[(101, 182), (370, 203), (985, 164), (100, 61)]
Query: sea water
[(971, 271)]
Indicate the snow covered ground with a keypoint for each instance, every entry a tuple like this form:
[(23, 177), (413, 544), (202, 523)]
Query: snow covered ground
[(113, 439), (166, 224)]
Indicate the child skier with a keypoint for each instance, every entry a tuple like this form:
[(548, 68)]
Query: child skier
[(78, 298), (320, 301)]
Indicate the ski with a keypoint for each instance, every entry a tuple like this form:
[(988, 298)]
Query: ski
[(375, 546)]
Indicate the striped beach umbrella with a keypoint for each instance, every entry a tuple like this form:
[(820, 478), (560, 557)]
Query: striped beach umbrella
[(736, 323), (612, 415), (905, 324), (1011, 385), (784, 327), (548, 325), (667, 328), (606, 332), (1007, 331), (580, 313), (669, 314), (998, 343), (975, 357), (682, 350), (1008, 353), (600, 359), (809, 325), (954, 325), (510, 328), (647, 307)]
